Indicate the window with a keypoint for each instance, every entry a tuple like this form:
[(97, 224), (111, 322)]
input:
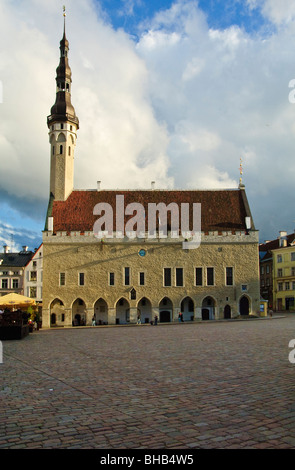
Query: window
[(60, 149), (4, 284), (229, 277), (262, 270), (293, 256), (141, 279), (293, 285), (34, 264), (280, 286), (287, 285), (127, 276), (112, 279), (280, 272), (81, 279), (69, 151), (267, 269), (62, 279), (15, 283), (293, 271), (179, 276), (199, 276), (61, 126), (33, 275), (210, 276), (33, 292), (279, 258), (167, 277), (133, 294)]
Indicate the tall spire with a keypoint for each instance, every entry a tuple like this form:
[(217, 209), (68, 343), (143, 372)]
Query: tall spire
[(63, 125), (63, 110)]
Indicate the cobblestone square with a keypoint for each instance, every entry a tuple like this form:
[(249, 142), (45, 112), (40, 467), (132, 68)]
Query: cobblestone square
[(207, 385)]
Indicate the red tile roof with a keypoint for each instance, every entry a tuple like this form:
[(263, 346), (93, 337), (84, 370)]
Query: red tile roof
[(221, 210)]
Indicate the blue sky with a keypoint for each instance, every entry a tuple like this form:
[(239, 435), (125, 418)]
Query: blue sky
[(133, 14), (172, 91)]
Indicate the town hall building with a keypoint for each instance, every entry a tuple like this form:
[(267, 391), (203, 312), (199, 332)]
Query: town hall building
[(106, 262)]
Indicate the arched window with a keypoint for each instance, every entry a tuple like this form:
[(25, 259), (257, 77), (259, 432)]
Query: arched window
[(69, 150), (60, 149)]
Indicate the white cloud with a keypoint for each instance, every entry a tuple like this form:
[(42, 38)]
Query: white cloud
[(179, 107)]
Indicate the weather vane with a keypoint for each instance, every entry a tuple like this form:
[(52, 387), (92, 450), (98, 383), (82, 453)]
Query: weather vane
[(64, 10), (241, 170)]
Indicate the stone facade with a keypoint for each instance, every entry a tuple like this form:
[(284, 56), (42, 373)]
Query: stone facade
[(66, 257)]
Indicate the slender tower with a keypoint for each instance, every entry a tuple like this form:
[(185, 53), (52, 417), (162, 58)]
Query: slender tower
[(63, 125)]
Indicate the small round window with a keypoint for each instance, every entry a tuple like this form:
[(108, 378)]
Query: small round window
[(142, 252)]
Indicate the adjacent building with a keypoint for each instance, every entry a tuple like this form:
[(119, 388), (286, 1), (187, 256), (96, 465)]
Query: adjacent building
[(117, 257), (12, 270), (33, 276), (284, 273)]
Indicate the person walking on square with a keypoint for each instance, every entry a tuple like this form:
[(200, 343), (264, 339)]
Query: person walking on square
[(93, 320)]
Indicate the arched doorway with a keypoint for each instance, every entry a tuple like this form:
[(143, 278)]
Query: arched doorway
[(208, 308), (244, 305), (101, 312), (145, 310), (122, 311), (79, 313), (57, 312), (165, 310), (227, 312), (187, 309)]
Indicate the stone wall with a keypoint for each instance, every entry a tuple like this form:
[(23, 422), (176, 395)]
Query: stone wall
[(83, 253)]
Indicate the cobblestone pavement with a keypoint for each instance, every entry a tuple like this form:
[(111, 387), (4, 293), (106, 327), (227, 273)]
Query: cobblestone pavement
[(207, 385)]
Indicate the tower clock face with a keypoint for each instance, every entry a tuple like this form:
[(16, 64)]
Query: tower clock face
[(142, 252)]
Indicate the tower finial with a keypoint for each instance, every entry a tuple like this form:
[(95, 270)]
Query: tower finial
[(64, 11), (241, 172)]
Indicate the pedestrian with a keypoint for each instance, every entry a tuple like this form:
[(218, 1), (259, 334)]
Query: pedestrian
[(270, 312), (156, 320), (138, 320), (93, 321)]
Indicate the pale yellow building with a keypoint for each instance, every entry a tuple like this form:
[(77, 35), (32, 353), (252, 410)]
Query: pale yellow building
[(284, 273), (108, 266)]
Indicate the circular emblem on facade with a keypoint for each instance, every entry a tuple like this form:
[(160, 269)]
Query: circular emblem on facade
[(142, 252)]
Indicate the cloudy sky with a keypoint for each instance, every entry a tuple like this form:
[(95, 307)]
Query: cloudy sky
[(174, 92)]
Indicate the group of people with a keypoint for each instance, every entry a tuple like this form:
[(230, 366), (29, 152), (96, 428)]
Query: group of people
[(139, 320)]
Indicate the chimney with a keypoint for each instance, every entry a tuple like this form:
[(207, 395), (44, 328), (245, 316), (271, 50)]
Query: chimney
[(50, 224), (6, 248), (98, 185), (153, 184), (282, 239)]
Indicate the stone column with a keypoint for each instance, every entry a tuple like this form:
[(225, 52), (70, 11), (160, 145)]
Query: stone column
[(198, 313), (133, 315), (155, 312), (89, 315), (111, 316), (175, 314), (46, 318)]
